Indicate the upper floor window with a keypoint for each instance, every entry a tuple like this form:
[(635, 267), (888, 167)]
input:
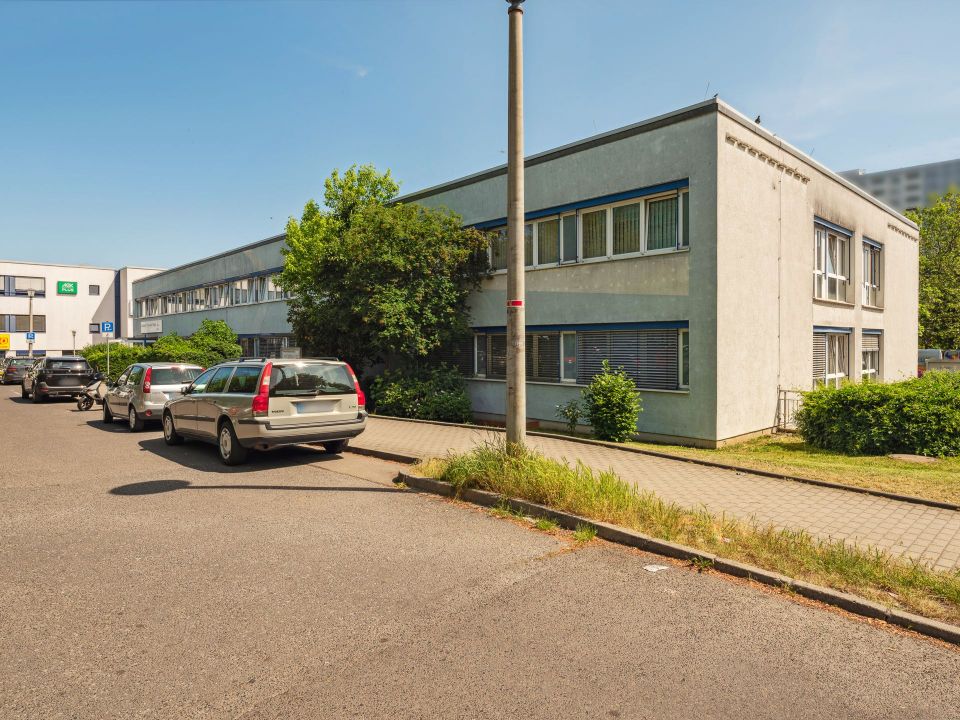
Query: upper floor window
[(831, 267), (632, 227), (871, 274)]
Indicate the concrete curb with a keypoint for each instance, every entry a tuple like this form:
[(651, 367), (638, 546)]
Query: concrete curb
[(632, 538), (697, 461)]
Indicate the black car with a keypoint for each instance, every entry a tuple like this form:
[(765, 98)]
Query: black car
[(12, 370), (57, 376)]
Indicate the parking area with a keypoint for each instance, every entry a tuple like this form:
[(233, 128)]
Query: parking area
[(141, 580)]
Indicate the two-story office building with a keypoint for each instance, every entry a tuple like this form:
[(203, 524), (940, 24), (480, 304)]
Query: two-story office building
[(715, 263), (62, 305)]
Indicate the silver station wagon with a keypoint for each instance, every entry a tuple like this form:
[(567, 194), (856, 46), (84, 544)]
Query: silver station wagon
[(143, 389), (258, 404)]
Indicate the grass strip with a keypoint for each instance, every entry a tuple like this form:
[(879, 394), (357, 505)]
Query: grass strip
[(790, 455), (602, 495)]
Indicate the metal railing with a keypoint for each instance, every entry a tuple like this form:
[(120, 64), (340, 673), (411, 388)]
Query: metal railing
[(788, 402)]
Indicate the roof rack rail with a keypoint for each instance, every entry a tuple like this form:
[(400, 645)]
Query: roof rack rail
[(245, 359)]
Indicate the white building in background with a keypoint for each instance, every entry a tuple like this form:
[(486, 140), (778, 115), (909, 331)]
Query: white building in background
[(908, 188), (66, 301)]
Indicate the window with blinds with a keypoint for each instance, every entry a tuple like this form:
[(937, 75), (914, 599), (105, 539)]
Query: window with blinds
[(457, 354), (870, 356), (548, 242), (662, 224), (830, 358), (649, 357), (628, 228), (594, 228)]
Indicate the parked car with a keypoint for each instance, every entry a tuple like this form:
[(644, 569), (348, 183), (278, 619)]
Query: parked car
[(142, 390), (13, 369), (257, 403), (65, 376)]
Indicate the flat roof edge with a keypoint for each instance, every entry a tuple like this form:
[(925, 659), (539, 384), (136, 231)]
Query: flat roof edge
[(670, 118), (749, 124), (225, 253)]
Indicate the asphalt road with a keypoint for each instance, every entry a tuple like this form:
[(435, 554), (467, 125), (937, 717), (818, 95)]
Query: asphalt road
[(140, 581)]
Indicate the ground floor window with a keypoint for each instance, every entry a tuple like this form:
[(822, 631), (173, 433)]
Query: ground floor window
[(269, 346), (656, 359), (830, 358), (870, 356)]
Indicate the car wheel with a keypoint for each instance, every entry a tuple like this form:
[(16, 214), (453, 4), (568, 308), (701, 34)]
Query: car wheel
[(231, 451), (170, 434), (134, 421), (23, 393), (107, 415), (335, 447), (36, 396)]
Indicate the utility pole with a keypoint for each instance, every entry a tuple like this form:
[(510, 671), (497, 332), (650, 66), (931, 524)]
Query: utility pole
[(516, 316), (74, 341), (30, 310)]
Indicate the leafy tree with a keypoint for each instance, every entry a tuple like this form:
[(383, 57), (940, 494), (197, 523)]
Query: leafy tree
[(939, 271), (213, 342), (373, 279)]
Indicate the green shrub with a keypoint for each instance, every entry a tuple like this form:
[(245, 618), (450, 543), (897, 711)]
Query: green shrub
[(121, 357), (212, 343), (570, 412), (425, 394), (612, 404), (920, 416)]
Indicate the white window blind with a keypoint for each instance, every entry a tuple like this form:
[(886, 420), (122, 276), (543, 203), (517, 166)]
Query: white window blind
[(649, 357)]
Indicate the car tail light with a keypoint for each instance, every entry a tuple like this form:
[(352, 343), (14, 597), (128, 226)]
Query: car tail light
[(361, 398), (146, 380), (261, 401)]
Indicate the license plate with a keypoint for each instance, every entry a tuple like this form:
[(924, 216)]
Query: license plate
[(315, 406)]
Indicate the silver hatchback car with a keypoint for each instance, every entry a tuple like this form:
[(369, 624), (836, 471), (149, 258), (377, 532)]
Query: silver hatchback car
[(142, 390), (259, 403)]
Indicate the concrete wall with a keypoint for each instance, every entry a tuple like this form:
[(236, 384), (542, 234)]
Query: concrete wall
[(676, 286), (765, 259), (129, 275), (259, 318)]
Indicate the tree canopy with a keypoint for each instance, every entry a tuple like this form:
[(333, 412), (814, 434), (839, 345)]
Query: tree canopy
[(940, 272), (372, 278)]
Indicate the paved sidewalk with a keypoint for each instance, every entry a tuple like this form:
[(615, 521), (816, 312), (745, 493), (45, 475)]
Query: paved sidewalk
[(926, 533)]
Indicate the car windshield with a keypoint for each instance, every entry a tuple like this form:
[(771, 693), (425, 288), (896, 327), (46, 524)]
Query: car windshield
[(174, 375), (310, 379), (67, 365)]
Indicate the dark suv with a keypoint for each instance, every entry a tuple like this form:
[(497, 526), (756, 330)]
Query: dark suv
[(57, 376), (12, 370)]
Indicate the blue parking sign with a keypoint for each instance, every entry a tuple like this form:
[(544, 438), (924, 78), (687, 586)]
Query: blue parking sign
[(106, 327), (31, 336)]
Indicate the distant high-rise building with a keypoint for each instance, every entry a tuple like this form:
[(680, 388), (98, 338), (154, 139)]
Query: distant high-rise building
[(910, 187)]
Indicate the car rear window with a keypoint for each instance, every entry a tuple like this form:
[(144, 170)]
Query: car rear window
[(174, 375), (310, 379), (245, 380), (67, 365), (21, 363)]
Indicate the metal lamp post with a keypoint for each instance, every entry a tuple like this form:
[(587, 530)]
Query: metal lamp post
[(516, 317), (30, 310)]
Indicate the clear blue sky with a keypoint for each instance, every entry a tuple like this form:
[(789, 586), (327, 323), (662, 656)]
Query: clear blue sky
[(153, 134)]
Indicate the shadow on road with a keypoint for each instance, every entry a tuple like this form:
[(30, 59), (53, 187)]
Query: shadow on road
[(204, 457), (155, 487), (114, 427)]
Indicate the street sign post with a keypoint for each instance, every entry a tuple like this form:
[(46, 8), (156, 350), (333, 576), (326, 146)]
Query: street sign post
[(106, 329), (31, 337)]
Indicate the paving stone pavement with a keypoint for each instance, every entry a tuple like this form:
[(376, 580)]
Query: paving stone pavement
[(929, 534)]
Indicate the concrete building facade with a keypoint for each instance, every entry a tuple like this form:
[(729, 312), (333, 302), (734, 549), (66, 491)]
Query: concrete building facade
[(67, 300), (718, 265), (911, 187)]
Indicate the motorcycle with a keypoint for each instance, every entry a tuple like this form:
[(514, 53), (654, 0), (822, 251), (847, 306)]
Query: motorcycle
[(92, 395)]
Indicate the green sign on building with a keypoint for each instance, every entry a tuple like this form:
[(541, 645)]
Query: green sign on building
[(66, 287)]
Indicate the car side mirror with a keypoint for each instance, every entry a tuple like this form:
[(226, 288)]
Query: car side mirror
[(187, 389)]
